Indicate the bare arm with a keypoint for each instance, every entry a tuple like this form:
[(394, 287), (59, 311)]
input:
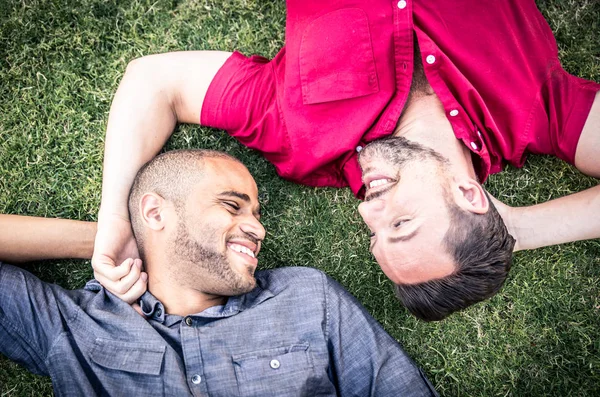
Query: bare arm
[(26, 238), (155, 93), (570, 218)]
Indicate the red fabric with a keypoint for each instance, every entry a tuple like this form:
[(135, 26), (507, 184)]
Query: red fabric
[(344, 76)]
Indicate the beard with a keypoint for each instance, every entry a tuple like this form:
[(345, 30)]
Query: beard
[(400, 152), (206, 266)]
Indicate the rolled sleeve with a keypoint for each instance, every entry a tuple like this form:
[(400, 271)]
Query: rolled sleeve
[(368, 360)]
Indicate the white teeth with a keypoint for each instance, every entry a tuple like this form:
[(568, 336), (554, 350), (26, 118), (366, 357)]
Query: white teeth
[(379, 182), (242, 249)]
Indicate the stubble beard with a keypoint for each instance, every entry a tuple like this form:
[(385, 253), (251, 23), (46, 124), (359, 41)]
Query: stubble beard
[(206, 263), (401, 152)]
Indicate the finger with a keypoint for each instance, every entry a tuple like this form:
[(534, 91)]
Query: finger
[(110, 281), (108, 285), (129, 279), (114, 273), (137, 289)]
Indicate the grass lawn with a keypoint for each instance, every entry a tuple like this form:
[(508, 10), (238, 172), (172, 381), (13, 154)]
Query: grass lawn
[(60, 64)]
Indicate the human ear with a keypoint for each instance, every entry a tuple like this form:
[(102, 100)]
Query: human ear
[(470, 196), (151, 208)]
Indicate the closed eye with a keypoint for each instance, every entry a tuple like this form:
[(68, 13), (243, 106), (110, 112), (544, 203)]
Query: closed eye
[(400, 223), (232, 204)]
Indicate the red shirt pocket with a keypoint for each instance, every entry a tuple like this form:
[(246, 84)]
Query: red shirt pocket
[(336, 58)]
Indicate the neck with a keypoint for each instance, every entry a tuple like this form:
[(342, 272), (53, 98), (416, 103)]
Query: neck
[(174, 292), (424, 121)]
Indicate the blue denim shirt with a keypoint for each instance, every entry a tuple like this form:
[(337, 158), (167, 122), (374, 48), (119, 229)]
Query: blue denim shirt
[(298, 333)]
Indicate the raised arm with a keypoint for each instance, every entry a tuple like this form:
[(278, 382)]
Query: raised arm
[(155, 94), (570, 218), (27, 238)]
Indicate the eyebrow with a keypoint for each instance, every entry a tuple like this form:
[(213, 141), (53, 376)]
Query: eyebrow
[(398, 239), (242, 196), (404, 238)]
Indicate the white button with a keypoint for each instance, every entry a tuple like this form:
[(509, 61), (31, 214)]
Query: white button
[(453, 112), (359, 148), (274, 364), (430, 59), (474, 146), (402, 4), (196, 379), (479, 133)]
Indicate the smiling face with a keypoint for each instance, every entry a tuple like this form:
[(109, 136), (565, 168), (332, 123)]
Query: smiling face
[(219, 233), (406, 210)]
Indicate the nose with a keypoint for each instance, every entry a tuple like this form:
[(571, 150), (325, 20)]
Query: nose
[(370, 211), (252, 226)]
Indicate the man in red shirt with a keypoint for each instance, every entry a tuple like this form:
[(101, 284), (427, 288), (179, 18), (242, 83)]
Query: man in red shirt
[(463, 87)]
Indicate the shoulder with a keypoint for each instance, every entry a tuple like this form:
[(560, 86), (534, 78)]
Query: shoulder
[(306, 279), (18, 285)]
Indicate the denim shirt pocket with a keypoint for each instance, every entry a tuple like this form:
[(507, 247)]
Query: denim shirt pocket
[(280, 371), (336, 58), (129, 366)]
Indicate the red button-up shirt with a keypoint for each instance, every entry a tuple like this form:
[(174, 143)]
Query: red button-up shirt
[(344, 77)]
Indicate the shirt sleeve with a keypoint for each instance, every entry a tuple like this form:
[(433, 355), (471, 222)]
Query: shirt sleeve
[(242, 100), (562, 110), (30, 319), (366, 360)]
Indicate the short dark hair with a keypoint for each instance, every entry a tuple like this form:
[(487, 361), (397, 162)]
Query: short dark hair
[(171, 175), (482, 250)]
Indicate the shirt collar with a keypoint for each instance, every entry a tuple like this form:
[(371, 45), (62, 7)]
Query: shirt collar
[(155, 310), (239, 303)]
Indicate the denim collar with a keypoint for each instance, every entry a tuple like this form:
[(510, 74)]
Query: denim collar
[(155, 310)]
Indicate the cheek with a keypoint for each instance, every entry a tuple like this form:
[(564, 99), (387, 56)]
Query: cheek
[(391, 263)]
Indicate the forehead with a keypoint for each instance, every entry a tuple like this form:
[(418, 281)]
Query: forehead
[(222, 174), (422, 260)]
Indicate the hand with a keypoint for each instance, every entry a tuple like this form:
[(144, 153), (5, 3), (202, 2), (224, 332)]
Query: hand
[(116, 260), (507, 213)]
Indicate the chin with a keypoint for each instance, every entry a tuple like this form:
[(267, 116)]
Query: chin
[(245, 283)]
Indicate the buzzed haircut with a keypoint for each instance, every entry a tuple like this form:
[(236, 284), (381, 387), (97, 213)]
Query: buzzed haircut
[(171, 175)]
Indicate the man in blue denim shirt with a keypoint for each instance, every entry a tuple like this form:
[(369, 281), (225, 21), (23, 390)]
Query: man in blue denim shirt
[(213, 327)]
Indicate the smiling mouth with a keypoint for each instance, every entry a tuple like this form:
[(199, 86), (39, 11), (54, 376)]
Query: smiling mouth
[(242, 250), (377, 186), (379, 182)]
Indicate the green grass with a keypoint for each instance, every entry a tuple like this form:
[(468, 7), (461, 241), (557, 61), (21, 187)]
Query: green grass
[(60, 64)]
